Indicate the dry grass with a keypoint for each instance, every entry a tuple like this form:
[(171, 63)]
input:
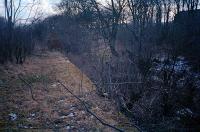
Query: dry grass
[(55, 108)]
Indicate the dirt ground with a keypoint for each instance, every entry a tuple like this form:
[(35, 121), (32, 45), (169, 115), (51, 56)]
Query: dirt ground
[(52, 108)]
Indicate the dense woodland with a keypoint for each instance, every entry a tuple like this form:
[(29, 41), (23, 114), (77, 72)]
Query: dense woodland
[(142, 54)]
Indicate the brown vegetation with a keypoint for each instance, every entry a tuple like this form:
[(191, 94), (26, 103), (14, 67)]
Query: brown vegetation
[(54, 107)]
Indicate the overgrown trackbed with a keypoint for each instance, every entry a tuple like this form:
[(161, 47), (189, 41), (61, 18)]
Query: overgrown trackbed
[(51, 107)]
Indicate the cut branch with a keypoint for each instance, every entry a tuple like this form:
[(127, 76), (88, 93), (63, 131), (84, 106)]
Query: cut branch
[(89, 111), (20, 76)]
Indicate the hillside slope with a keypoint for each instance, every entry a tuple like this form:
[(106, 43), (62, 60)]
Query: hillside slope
[(50, 107)]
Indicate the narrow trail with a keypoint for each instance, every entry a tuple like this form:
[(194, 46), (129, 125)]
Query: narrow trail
[(54, 108)]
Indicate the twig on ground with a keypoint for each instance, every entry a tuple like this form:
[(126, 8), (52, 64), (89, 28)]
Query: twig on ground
[(90, 112), (20, 76), (118, 83)]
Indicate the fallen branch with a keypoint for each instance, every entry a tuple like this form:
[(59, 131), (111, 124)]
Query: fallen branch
[(119, 83), (20, 76), (90, 112)]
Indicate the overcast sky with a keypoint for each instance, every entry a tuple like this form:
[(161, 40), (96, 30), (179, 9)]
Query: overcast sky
[(43, 6)]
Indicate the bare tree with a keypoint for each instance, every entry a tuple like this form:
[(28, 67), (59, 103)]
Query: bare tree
[(13, 46), (110, 17)]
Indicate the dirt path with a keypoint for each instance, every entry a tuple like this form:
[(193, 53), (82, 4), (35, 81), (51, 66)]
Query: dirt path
[(55, 109)]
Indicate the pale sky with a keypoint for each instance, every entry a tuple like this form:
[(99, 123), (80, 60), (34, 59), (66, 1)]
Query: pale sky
[(42, 8), (46, 7)]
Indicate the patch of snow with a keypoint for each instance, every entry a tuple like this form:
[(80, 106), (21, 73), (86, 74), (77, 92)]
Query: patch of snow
[(63, 117), (60, 101), (97, 108), (13, 116), (185, 111), (105, 94), (180, 64), (83, 112), (68, 127), (32, 114), (156, 78), (181, 58), (72, 108), (23, 126), (54, 85), (71, 115)]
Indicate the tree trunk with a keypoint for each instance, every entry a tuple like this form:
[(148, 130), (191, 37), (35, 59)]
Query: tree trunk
[(112, 47)]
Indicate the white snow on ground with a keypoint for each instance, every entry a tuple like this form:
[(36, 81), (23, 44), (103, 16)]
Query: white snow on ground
[(180, 67), (13, 116)]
